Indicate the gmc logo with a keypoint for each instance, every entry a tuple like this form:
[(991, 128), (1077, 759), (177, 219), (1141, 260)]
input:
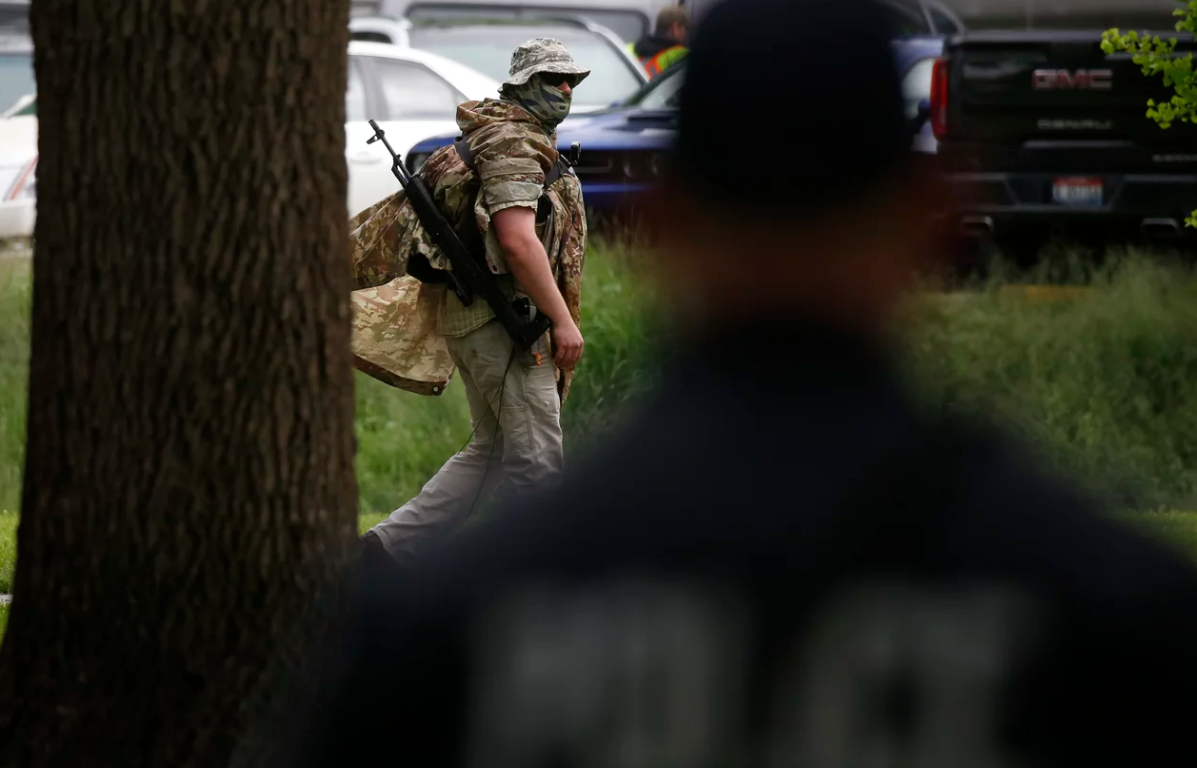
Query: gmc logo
[(1080, 80)]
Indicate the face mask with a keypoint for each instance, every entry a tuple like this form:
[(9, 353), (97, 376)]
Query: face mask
[(547, 103)]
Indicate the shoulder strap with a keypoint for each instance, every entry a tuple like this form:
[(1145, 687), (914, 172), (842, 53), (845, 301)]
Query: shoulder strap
[(559, 169), (463, 151)]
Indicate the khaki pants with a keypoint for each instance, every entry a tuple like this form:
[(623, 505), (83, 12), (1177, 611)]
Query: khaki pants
[(522, 452)]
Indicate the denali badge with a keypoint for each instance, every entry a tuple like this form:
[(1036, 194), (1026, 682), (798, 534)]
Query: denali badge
[(1075, 125), (1080, 80)]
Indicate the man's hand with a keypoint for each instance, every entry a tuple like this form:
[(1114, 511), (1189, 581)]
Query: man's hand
[(515, 229), (567, 345)]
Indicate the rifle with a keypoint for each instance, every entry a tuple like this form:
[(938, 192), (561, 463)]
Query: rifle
[(469, 277)]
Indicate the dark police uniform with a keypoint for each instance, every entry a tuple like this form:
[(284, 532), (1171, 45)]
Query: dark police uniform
[(782, 562)]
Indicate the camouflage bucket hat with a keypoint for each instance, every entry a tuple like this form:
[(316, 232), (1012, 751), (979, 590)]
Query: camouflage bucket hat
[(544, 54)]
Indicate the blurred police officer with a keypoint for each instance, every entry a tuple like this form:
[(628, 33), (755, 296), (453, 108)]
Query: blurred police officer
[(781, 562)]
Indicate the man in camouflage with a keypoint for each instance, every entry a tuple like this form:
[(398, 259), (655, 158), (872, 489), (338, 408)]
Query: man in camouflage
[(413, 334)]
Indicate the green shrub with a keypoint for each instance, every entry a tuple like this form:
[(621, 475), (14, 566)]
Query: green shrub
[(402, 438), (15, 302), (620, 321), (1105, 385)]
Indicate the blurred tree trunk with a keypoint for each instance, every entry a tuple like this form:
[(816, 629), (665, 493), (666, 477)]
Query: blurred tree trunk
[(189, 501)]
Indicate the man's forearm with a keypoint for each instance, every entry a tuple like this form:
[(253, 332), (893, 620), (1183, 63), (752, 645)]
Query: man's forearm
[(530, 265), (515, 228)]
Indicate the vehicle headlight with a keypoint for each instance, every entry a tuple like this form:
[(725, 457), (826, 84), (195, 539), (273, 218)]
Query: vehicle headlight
[(659, 164), (642, 166), (631, 168)]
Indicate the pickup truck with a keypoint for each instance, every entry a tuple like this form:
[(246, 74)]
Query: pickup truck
[(1041, 133)]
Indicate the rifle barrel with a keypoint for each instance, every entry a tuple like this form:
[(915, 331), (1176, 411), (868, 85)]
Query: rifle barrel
[(397, 167)]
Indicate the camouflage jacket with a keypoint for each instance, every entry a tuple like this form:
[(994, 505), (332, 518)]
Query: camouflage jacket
[(396, 338)]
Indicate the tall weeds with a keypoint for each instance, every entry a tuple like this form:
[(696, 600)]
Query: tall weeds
[(1103, 385)]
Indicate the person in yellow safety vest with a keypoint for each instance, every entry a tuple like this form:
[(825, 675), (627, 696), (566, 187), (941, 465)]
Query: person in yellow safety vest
[(666, 45)]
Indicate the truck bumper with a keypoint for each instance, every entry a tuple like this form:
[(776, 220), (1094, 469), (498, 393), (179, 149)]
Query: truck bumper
[(997, 204)]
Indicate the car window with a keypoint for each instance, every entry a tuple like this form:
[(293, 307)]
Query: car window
[(945, 24), (488, 50), (355, 95), (16, 78), (29, 110), (664, 91), (627, 25), (371, 37), (14, 19), (907, 17), (412, 92)]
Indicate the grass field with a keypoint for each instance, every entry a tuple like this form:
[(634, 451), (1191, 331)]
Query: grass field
[(402, 438), (1102, 385), (15, 294), (1176, 529)]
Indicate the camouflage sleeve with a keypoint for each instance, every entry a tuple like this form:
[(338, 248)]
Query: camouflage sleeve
[(512, 166), (509, 182)]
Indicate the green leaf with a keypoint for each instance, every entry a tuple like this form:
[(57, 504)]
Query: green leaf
[(1157, 57)]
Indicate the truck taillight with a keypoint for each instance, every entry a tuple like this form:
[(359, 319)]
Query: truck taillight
[(939, 99)]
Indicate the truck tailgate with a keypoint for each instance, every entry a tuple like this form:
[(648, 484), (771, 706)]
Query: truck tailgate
[(1018, 87)]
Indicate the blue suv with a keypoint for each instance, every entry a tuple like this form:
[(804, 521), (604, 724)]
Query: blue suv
[(623, 146)]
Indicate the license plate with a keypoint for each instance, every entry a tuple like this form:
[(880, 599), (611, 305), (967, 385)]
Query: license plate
[(1078, 191)]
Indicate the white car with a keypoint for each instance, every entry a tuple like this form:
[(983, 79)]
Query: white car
[(18, 181), (629, 19), (412, 95), (18, 139), (380, 29), (486, 46)]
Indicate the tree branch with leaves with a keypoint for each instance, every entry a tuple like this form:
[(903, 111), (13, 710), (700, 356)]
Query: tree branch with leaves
[(1158, 57)]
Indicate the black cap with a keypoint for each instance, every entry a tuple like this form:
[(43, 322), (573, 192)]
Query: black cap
[(790, 103)]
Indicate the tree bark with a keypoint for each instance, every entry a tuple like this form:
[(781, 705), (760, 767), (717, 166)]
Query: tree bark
[(189, 501)]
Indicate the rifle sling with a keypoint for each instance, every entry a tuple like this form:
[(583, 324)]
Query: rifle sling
[(471, 239), (559, 169)]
